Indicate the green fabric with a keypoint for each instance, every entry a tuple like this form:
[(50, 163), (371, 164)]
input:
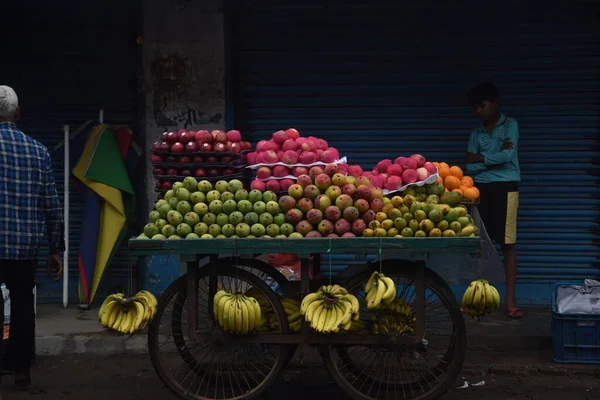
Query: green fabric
[(106, 164)]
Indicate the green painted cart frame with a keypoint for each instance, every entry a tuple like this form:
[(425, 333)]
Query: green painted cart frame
[(223, 254)]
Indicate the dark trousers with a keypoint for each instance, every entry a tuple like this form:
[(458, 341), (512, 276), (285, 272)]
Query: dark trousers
[(19, 278)]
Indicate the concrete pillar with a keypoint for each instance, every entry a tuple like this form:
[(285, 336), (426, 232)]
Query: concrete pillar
[(183, 53)]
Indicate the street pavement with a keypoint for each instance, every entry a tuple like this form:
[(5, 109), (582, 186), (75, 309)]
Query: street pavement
[(126, 377)]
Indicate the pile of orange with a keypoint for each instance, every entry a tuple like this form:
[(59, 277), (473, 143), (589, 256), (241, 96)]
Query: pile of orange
[(454, 180)]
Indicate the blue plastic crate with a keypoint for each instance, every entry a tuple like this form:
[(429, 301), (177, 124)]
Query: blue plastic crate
[(575, 337)]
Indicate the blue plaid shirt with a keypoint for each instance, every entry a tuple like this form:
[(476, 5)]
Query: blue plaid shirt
[(28, 197)]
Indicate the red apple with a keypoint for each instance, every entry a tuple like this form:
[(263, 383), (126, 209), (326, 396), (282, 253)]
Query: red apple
[(186, 172), (234, 147), (158, 185), (226, 159), (220, 147), (164, 146), (158, 171), (191, 147), (228, 172), (164, 136), (185, 159), (172, 137), (172, 172), (213, 172), (177, 148), (200, 172), (156, 145), (171, 159), (155, 158), (221, 137), (198, 160), (205, 137), (212, 160), (206, 147), (166, 185), (185, 137)]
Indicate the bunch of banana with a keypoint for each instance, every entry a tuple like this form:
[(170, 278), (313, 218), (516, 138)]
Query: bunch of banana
[(358, 326), (329, 309), (394, 317), (236, 313), (379, 288), (480, 299), (388, 324), (292, 311), (127, 315)]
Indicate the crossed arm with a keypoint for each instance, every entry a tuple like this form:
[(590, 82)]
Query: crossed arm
[(477, 162)]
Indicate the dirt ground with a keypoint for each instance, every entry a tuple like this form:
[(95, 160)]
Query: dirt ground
[(130, 377)]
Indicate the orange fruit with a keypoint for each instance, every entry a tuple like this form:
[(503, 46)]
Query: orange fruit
[(440, 179), (443, 165), (444, 171), (471, 193), (456, 171), (437, 164), (446, 190), (451, 182), (467, 181), (457, 190), (462, 187)]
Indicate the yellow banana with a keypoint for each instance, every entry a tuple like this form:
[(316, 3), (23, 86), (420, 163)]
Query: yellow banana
[(294, 316), (338, 290), (249, 314), (496, 295), (390, 292), (467, 299), (348, 326), (231, 315), (224, 314), (323, 319), (139, 314), (308, 300), (347, 313), (239, 316), (314, 323), (311, 310), (105, 315), (371, 281), (218, 296), (257, 311), (376, 301)]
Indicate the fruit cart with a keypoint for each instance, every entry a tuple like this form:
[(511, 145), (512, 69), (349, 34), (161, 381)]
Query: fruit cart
[(196, 359)]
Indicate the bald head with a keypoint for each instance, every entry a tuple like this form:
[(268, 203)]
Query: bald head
[(9, 104)]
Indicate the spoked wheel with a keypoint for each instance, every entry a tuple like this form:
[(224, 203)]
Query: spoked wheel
[(423, 371), (266, 273), (220, 369)]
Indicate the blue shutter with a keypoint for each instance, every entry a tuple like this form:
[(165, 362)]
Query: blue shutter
[(67, 60), (381, 79)]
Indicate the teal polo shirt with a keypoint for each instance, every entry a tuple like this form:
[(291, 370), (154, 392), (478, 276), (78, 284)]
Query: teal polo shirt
[(499, 165)]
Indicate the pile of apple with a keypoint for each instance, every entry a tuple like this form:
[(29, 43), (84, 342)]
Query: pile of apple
[(396, 175), (279, 162), (200, 154), (328, 203)]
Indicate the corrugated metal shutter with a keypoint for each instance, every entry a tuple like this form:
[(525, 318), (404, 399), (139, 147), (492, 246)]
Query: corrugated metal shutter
[(66, 60), (380, 79)]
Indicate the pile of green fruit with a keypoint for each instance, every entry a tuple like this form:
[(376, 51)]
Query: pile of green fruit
[(199, 210)]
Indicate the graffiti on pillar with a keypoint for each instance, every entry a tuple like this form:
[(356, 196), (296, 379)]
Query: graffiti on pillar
[(172, 79), (180, 5)]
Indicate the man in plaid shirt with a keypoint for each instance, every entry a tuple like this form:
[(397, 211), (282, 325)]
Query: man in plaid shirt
[(28, 202)]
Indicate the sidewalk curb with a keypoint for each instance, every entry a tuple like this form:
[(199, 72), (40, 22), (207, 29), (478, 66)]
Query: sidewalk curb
[(531, 342), (90, 344)]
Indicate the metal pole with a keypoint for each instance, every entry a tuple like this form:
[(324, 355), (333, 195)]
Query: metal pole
[(67, 173)]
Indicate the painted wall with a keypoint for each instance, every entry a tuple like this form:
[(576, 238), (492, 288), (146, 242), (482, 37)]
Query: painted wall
[(183, 53)]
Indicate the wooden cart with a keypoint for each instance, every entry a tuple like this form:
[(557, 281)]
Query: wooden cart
[(196, 360)]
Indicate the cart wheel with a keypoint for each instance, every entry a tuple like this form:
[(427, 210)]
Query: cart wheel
[(266, 273), (199, 370), (423, 371)]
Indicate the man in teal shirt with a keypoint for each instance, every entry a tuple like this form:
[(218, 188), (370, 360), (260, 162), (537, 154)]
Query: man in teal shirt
[(492, 161)]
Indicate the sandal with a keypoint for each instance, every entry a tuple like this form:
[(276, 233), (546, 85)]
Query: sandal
[(514, 312)]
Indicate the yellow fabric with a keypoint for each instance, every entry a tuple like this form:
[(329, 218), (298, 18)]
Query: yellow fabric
[(112, 213), (512, 205)]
